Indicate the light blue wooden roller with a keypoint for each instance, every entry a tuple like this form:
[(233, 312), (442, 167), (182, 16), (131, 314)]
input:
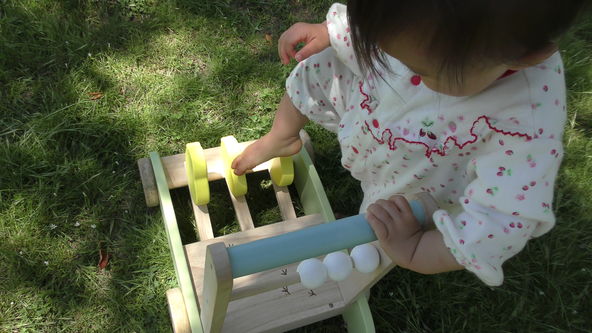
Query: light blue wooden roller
[(281, 250)]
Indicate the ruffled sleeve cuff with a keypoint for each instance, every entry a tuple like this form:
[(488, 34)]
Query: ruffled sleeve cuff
[(482, 240)]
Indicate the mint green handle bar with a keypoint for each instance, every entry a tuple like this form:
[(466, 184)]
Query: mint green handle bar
[(291, 247)]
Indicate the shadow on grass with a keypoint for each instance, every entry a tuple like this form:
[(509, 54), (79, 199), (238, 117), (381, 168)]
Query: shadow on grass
[(72, 159)]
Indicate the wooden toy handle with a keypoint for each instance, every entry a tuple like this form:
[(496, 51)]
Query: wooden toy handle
[(345, 233)]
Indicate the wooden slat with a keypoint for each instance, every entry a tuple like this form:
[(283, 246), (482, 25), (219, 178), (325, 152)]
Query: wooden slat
[(282, 310), (358, 317), (261, 282), (218, 286), (148, 182), (310, 189), (176, 247), (174, 166), (178, 314), (284, 200), (241, 209), (203, 224)]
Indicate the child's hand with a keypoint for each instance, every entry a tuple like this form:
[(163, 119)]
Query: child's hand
[(396, 228), (314, 36)]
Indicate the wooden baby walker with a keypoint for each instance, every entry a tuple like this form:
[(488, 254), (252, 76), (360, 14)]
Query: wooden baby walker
[(247, 281)]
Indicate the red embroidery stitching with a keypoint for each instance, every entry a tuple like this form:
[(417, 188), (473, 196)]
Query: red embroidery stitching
[(429, 152), (364, 104)]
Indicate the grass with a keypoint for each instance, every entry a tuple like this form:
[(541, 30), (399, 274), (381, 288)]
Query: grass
[(172, 72)]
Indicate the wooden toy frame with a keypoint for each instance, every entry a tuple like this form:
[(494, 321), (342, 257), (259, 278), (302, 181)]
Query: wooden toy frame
[(270, 300)]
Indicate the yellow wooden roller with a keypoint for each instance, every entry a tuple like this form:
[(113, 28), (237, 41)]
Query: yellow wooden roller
[(230, 150), (197, 173), (281, 170)]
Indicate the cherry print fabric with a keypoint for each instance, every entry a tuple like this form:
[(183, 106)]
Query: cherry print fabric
[(490, 159)]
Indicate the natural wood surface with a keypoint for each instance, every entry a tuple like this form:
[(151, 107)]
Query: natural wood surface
[(284, 200), (283, 310), (177, 311), (148, 182), (241, 209), (265, 291), (176, 175), (257, 283), (218, 278), (203, 224)]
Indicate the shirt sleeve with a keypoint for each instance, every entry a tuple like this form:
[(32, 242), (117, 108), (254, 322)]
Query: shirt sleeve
[(506, 203), (340, 36)]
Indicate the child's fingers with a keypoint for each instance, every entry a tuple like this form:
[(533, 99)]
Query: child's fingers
[(379, 212), (403, 206), (377, 226), (309, 49), (283, 52), (390, 208), (394, 215), (289, 39), (286, 51)]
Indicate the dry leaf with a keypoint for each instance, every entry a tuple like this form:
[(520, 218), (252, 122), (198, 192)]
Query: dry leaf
[(103, 259), (268, 38), (95, 95)]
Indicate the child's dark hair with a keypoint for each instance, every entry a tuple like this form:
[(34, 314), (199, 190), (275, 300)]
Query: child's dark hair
[(459, 31)]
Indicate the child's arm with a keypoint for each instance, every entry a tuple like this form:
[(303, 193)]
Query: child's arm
[(431, 255), (406, 243)]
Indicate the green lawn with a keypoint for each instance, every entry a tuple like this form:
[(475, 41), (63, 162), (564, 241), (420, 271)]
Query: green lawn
[(87, 87)]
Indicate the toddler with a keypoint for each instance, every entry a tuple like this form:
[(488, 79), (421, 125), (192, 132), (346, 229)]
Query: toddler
[(462, 99)]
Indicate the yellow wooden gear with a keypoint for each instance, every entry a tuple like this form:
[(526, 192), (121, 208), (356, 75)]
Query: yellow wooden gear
[(197, 173), (281, 170), (230, 150)]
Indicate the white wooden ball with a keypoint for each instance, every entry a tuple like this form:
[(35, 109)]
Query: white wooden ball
[(339, 265), (366, 258), (312, 273)]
